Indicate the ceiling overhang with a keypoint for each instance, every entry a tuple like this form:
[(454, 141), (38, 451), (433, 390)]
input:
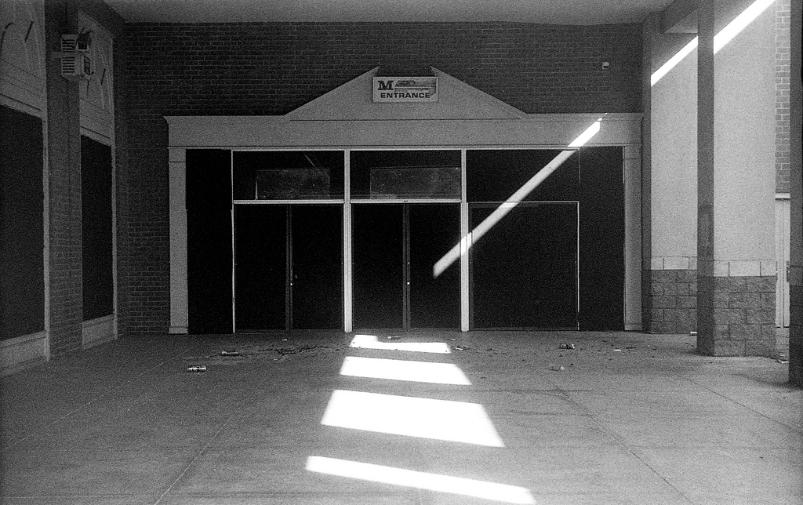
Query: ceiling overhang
[(572, 12)]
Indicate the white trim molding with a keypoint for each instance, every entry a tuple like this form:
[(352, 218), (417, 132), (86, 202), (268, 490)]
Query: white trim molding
[(671, 263), (23, 352), (179, 320), (738, 268), (276, 132), (97, 331), (632, 247)]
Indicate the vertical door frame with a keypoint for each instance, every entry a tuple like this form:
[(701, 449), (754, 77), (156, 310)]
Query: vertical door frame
[(288, 267), (405, 266), (233, 249), (348, 319), (465, 240)]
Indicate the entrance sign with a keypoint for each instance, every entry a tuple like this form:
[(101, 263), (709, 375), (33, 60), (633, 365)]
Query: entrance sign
[(405, 89)]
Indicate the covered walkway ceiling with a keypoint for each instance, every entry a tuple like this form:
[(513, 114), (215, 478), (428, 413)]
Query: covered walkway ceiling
[(577, 12)]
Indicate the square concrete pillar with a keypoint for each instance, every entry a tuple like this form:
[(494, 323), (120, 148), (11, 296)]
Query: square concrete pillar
[(736, 270), (670, 181)]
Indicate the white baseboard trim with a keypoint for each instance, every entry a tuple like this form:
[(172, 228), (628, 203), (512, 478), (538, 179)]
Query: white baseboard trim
[(22, 352), (97, 331)]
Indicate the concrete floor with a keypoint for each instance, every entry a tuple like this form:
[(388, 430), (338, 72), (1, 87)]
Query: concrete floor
[(632, 419)]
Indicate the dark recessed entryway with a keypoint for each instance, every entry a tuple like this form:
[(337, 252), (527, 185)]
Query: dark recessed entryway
[(395, 249), (288, 268)]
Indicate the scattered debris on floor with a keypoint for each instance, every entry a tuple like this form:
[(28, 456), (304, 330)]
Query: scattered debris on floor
[(245, 352), (297, 349), (617, 350), (566, 346), (461, 348), (557, 368), (394, 337), (196, 368)]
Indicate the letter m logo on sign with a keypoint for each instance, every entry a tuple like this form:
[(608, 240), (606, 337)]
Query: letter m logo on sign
[(385, 85)]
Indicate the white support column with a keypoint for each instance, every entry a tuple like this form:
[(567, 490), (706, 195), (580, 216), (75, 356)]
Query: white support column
[(465, 306), (347, 295), (178, 240), (632, 181), (736, 181), (233, 248)]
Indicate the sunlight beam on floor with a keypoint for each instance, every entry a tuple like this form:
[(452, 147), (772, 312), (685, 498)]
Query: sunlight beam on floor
[(420, 480), (372, 342), (401, 370), (412, 417)]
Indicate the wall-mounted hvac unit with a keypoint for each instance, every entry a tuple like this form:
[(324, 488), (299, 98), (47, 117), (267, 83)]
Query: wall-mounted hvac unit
[(76, 63)]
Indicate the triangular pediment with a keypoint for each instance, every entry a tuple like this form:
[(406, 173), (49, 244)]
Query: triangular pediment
[(353, 101)]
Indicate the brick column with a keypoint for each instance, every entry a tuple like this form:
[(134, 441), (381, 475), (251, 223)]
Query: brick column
[(796, 179), (64, 160), (736, 269)]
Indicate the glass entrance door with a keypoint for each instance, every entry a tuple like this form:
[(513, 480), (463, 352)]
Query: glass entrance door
[(288, 270), (395, 248), (523, 271), (316, 269)]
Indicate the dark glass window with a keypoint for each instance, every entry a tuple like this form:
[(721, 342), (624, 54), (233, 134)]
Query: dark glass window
[(288, 175), (405, 174), (494, 175)]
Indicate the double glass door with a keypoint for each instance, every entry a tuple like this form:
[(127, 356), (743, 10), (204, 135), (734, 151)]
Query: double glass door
[(523, 271), (288, 267), (395, 247)]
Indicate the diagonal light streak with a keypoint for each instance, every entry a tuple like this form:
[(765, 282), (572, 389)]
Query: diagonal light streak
[(721, 39), (462, 247), (420, 480)]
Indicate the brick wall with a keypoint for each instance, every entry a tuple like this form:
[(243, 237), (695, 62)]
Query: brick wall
[(272, 68), (795, 332), (64, 158), (782, 54), (739, 316)]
